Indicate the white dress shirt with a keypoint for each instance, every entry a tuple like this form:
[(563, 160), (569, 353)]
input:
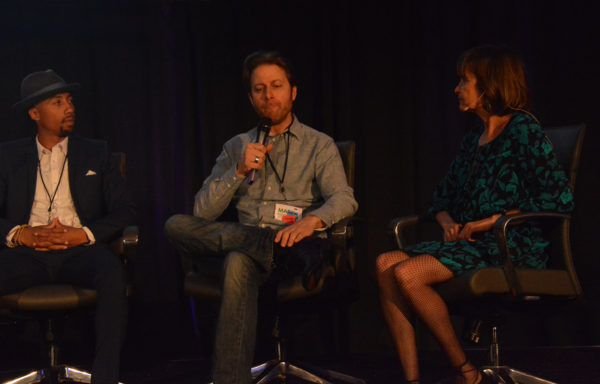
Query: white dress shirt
[(49, 174)]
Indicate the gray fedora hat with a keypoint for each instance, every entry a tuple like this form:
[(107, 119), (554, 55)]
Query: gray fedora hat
[(38, 86)]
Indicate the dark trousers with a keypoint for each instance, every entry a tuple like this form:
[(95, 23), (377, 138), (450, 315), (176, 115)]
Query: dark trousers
[(93, 267)]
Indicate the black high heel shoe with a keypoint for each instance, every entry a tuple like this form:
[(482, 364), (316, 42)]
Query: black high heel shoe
[(481, 378)]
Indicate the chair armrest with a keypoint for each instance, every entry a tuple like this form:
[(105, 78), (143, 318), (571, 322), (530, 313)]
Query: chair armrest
[(127, 242), (397, 225), (340, 235), (499, 229), (340, 232)]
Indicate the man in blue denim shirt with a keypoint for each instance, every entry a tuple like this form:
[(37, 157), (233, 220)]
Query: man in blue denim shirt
[(289, 187)]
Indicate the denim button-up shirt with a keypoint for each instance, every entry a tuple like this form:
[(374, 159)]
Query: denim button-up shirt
[(314, 180)]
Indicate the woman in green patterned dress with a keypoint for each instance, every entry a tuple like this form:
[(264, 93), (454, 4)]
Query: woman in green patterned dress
[(505, 166)]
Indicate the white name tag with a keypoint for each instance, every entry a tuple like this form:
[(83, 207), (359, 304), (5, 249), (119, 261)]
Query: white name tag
[(287, 213)]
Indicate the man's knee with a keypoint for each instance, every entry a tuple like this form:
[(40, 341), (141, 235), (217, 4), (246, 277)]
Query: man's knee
[(176, 225)]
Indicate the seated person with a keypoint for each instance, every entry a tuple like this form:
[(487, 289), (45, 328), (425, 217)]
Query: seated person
[(61, 202), (289, 186), (507, 165)]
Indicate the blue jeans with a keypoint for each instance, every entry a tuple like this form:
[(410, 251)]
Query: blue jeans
[(248, 263)]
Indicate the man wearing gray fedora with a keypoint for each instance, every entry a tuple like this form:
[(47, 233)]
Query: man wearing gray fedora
[(61, 202)]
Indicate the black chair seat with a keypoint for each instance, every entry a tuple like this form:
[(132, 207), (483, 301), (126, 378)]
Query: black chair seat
[(208, 285), (486, 281), (49, 297)]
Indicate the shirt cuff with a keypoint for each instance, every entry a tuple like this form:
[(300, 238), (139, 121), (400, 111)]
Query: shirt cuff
[(90, 236), (10, 236)]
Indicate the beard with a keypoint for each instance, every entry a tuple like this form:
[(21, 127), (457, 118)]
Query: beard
[(277, 115), (65, 130)]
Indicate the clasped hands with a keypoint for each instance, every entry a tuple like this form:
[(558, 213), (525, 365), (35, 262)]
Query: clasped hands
[(454, 231), (53, 237)]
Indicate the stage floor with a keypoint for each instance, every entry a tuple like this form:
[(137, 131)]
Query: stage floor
[(565, 365)]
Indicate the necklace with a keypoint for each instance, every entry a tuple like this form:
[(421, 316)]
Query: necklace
[(51, 198)]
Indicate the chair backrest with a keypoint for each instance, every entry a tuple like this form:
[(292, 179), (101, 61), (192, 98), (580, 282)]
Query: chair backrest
[(567, 142), (347, 151)]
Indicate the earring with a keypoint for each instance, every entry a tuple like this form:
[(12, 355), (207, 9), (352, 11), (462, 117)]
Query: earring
[(487, 106)]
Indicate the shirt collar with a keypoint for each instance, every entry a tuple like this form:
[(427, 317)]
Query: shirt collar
[(61, 146), (297, 129)]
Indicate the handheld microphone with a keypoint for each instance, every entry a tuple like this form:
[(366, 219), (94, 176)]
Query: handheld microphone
[(264, 125)]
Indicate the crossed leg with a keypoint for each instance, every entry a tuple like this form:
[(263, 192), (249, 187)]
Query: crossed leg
[(405, 288)]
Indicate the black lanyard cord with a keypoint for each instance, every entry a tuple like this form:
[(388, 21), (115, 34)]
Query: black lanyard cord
[(287, 154), (51, 198)]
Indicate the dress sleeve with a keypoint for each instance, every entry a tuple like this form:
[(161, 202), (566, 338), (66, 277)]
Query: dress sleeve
[(446, 191), (548, 186)]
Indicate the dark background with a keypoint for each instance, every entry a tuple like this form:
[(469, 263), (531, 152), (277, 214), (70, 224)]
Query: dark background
[(162, 82)]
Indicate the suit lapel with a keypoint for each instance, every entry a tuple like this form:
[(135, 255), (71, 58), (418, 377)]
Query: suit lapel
[(75, 164), (32, 169)]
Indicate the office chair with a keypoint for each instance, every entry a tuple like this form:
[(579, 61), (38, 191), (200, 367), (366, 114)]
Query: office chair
[(336, 288), (487, 289), (49, 303)]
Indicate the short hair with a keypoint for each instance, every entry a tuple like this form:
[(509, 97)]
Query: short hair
[(253, 60), (500, 75)]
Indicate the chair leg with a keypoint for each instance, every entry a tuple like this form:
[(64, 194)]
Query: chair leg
[(262, 369), (74, 375), (508, 375), (284, 370), (66, 374), (502, 374), (54, 373), (279, 369), (275, 371), (30, 378)]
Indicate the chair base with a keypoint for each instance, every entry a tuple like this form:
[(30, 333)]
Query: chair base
[(277, 371), (506, 375), (59, 374)]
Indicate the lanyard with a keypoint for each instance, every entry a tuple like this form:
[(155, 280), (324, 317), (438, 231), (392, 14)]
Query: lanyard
[(287, 153), (51, 198)]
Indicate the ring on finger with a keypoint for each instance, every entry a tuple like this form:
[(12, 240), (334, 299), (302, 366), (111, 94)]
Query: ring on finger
[(256, 159)]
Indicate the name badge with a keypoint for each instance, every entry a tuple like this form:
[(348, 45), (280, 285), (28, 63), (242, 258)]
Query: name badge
[(287, 213)]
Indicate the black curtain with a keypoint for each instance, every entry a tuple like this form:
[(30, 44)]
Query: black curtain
[(162, 83)]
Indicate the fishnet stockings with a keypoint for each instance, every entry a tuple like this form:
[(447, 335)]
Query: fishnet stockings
[(405, 287)]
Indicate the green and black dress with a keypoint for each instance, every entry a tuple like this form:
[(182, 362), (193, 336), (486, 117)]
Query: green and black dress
[(517, 170)]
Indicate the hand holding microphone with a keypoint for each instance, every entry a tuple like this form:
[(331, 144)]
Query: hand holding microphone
[(254, 154)]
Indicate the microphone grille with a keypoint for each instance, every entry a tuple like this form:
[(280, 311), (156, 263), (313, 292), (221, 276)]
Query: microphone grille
[(265, 124)]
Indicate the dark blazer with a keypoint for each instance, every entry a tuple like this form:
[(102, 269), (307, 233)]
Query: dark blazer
[(97, 187)]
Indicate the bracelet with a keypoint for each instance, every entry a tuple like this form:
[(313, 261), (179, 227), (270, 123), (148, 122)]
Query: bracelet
[(17, 236)]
